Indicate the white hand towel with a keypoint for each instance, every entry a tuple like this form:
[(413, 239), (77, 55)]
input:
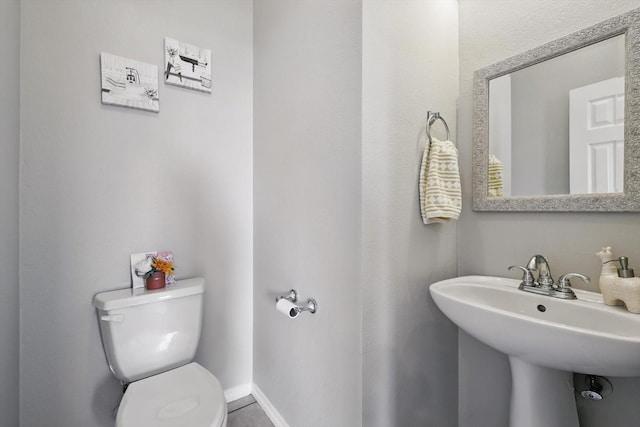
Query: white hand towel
[(440, 195)]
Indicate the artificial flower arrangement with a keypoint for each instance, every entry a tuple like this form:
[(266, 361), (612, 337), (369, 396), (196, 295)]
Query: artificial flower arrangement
[(160, 265), (156, 270)]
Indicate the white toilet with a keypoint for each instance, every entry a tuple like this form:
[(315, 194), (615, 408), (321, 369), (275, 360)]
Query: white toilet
[(150, 339)]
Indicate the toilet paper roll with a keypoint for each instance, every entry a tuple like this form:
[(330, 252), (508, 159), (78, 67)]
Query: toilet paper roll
[(287, 308)]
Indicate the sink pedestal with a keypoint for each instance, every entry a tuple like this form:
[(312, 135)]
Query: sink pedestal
[(541, 396)]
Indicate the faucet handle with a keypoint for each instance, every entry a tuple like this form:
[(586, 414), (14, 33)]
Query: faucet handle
[(564, 285), (563, 281), (527, 276)]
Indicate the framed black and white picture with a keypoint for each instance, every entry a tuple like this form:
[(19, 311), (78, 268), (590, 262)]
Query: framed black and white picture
[(187, 65), (129, 83)]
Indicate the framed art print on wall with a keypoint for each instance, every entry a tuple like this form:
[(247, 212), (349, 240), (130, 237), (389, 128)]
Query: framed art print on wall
[(187, 65), (129, 83)]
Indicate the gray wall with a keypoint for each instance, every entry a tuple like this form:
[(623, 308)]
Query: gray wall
[(490, 31), (409, 347), (9, 246), (336, 212), (100, 182), (307, 207)]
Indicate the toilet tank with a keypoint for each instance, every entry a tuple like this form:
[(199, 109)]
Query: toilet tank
[(148, 332)]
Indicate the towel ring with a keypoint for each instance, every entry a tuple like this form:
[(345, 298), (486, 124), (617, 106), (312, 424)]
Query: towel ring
[(431, 118)]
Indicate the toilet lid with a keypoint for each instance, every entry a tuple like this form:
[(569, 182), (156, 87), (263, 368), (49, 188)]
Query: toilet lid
[(186, 396)]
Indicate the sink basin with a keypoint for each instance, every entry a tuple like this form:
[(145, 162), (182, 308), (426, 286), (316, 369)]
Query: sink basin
[(546, 340), (582, 335)]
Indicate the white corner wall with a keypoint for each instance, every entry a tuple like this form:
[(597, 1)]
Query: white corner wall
[(410, 65), (490, 31), (9, 244), (100, 182), (307, 84)]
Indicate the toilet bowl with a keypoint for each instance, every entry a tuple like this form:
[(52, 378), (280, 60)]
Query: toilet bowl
[(186, 396), (150, 339)]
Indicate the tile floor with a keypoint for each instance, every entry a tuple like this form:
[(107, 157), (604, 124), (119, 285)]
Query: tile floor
[(246, 412)]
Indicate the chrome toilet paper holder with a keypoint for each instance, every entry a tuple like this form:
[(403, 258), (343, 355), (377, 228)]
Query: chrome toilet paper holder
[(291, 296), (311, 306)]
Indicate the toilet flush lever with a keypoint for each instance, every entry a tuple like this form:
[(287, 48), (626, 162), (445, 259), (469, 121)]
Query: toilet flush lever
[(112, 318)]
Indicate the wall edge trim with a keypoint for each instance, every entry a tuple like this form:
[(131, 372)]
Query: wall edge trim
[(268, 408), (237, 392)]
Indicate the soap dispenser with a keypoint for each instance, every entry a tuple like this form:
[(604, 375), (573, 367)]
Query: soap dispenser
[(623, 289)]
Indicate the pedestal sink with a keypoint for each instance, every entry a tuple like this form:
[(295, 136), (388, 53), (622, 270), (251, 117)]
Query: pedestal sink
[(546, 339)]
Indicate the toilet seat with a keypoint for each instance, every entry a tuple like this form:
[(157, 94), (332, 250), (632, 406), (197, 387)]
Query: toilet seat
[(186, 396)]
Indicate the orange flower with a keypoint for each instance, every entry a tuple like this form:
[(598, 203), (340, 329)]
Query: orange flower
[(161, 265)]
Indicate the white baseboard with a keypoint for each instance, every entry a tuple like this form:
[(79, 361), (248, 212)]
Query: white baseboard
[(237, 392), (268, 408)]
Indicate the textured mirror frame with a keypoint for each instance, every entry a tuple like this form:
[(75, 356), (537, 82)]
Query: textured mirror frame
[(627, 24)]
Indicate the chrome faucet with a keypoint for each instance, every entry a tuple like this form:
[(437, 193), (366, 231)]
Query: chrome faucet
[(539, 263), (544, 284)]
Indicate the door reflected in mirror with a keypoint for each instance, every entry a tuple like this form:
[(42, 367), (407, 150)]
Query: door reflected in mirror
[(557, 127)]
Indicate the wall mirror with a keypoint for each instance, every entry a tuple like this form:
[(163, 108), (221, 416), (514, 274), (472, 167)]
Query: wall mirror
[(557, 128)]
